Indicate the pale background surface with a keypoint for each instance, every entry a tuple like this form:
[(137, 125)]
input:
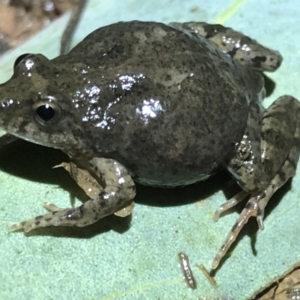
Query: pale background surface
[(116, 259)]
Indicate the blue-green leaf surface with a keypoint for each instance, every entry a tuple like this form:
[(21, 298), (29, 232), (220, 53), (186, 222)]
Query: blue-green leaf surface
[(137, 258)]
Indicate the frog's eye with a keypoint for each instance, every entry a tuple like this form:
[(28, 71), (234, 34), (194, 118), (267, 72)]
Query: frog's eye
[(46, 113), (19, 59)]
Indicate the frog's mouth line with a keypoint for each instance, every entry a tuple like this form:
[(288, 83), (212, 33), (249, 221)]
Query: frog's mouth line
[(7, 138)]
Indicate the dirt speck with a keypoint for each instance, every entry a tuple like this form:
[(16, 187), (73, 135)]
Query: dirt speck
[(19, 19)]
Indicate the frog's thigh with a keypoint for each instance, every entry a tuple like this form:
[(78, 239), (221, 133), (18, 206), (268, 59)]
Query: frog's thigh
[(119, 189), (240, 47), (256, 205), (280, 149), (280, 137)]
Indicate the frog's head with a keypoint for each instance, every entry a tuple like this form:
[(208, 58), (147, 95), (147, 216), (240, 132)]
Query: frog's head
[(31, 108)]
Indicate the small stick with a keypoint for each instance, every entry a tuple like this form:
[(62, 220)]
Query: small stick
[(207, 275), (72, 24)]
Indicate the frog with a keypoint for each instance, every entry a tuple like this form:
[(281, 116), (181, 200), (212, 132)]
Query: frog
[(164, 105)]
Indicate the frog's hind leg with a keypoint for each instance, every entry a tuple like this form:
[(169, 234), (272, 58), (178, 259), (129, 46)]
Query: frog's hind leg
[(119, 189), (255, 207), (280, 147), (240, 47)]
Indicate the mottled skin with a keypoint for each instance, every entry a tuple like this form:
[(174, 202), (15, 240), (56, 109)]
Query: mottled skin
[(91, 186), (163, 105)]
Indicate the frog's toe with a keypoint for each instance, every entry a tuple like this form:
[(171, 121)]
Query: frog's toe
[(249, 211), (255, 207), (15, 227), (26, 226), (229, 204), (50, 206), (39, 221), (53, 218)]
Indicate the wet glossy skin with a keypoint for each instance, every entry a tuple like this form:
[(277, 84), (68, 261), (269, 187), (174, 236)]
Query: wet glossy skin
[(137, 99), (158, 104)]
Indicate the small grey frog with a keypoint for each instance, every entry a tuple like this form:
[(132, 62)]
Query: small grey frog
[(162, 105)]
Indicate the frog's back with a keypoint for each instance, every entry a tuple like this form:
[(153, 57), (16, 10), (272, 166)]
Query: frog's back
[(171, 106)]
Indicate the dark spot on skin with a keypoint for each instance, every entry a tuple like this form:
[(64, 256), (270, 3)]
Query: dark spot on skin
[(258, 60), (37, 223), (81, 209), (69, 214), (103, 205), (132, 187), (101, 195), (168, 77), (48, 219), (212, 30), (54, 212), (277, 64), (272, 113), (234, 227), (282, 176), (292, 162), (248, 205), (38, 218), (232, 53)]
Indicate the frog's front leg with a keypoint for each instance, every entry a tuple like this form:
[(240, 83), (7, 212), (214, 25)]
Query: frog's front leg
[(240, 47), (119, 189), (279, 154), (92, 187), (83, 178)]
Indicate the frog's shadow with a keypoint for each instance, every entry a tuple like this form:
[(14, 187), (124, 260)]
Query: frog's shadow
[(35, 163), (269, 85)]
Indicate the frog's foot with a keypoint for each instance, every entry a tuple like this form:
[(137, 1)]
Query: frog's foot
[(119, 190), (255, 207), (60, 217)]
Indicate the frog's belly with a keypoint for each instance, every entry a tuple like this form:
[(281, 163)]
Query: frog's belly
[(171, 173), (177, 151), (171, 182), (176, 159)]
